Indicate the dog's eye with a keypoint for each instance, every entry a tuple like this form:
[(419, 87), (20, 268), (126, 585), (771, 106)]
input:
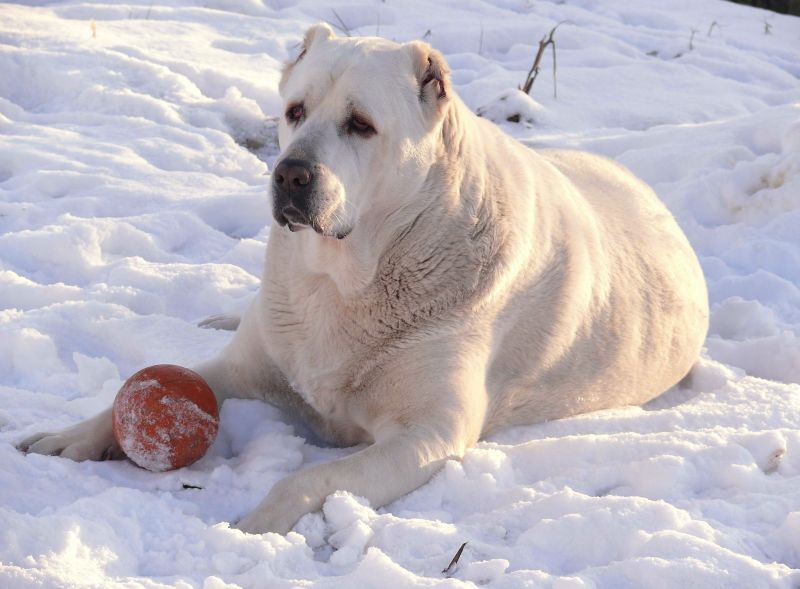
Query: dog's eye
[(360, 125), (295, 113)]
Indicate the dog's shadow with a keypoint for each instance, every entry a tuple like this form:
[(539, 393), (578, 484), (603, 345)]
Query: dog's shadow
[(671, 399), (678, 395)]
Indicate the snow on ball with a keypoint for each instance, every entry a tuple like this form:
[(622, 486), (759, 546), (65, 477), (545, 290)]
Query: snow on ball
[(165, 417)]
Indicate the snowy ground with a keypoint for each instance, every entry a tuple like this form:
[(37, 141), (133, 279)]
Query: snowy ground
[(133, 203)]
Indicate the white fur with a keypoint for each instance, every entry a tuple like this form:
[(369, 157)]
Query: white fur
[(483, 284)]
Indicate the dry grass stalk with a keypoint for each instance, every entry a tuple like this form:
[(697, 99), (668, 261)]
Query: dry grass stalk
[(546, 41), (451, 567), (341, 26)]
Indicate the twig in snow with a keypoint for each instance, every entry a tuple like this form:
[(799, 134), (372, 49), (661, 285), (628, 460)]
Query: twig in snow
[(480, 42), (451, 567), (767, 28), (534, 71), (341, 26), (711, 27), (691, 39)]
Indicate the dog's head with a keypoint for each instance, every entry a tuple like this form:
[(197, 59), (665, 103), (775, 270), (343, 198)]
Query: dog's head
[(357, 129)]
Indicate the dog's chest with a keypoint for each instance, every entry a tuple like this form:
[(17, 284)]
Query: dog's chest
[(318, 343)]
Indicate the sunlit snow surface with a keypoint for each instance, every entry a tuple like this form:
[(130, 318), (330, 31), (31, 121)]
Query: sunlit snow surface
[(133, 204)]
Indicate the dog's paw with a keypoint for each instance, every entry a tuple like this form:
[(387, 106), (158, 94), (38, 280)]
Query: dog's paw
[(26, 444), (224, 321), (264, 520), (280, 510), (67, 446), (89, 440)]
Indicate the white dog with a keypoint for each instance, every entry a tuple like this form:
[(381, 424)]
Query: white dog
[(431, 280)]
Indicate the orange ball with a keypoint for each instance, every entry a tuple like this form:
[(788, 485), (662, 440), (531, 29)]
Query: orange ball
[(165, 417)]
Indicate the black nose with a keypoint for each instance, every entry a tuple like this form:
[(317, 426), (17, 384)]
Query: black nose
[(292, 188), (293, 176)]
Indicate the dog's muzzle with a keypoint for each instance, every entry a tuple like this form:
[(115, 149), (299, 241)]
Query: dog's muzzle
[(293, 206)]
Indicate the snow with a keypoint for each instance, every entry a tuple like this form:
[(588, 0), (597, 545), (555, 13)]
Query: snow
[(132, 175)]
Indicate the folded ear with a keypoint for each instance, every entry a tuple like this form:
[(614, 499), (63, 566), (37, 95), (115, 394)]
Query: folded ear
[(315, 34), (432, 75)]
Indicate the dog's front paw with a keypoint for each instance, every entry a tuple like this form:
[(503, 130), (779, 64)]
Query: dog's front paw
[(65, 445), (92, 439), (268, 518), (280, 509), (260, 523)]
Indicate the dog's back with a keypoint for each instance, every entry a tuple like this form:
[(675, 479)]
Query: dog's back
[(618, 313)]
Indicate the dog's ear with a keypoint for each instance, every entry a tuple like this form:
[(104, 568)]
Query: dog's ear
[(432, 75), (315, 34)]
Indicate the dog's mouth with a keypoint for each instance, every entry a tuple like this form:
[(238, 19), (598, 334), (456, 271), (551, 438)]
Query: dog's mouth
[(295, 226), (329, 233)]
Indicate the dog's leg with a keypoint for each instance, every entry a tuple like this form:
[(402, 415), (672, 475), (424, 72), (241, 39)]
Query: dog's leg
[(382, 473), (402, 458), (91, 439)]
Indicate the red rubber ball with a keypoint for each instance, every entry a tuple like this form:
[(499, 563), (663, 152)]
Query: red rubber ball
[(165, 417)]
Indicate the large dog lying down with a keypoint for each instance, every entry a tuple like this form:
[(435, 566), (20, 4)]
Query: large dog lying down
[(430, 280)]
